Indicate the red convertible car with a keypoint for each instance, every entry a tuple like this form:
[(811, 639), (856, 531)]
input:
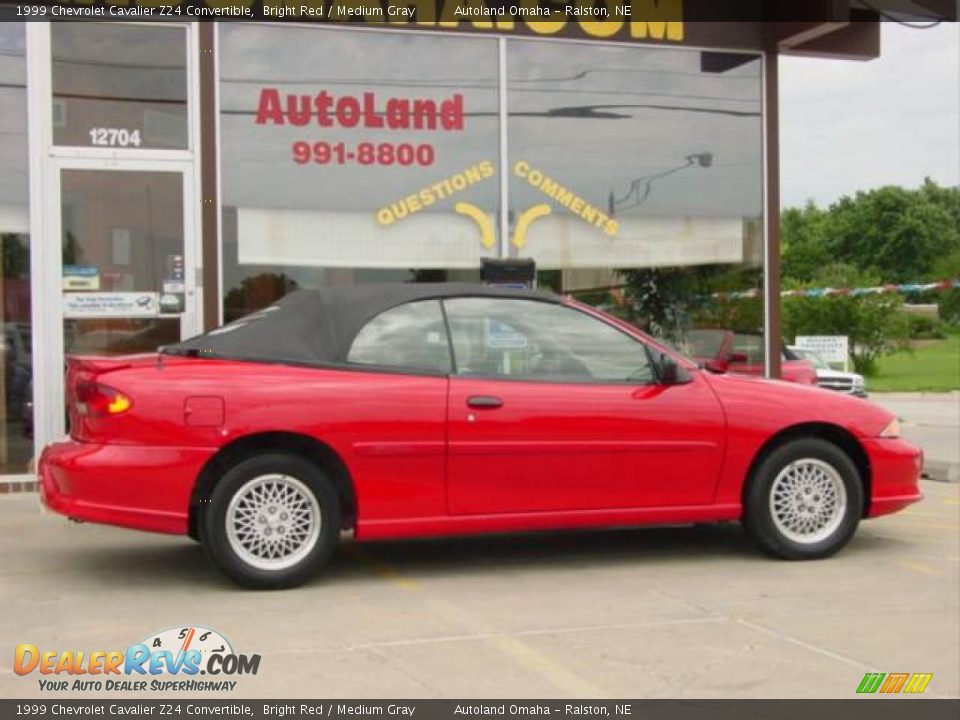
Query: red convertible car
[(727, 351), (414, 410)]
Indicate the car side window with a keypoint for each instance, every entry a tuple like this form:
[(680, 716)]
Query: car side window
[(409, 337), (527, 339)]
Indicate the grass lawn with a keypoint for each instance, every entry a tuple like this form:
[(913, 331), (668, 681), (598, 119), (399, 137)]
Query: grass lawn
[(935, 367)]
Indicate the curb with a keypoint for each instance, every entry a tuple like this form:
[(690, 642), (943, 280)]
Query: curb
[(939, 471)]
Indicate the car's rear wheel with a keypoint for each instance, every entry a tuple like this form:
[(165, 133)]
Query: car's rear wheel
[(804, 501), (272, 520)]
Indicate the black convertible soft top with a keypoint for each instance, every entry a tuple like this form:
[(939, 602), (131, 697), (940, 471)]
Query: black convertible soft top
[(317, 327)]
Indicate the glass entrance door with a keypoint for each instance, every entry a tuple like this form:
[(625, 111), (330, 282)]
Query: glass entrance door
[(123, 274), (125, 284)]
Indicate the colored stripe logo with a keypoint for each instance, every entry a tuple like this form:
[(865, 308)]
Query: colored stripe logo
[(890, 683)]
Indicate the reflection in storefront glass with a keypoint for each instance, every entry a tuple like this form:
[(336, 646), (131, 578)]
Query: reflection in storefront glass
[(636, 180), (16, 351), (352, 157), (119, 85), (118, 336), (123, 260)]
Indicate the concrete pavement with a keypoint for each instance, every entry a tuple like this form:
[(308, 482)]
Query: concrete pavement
[(669, 612)]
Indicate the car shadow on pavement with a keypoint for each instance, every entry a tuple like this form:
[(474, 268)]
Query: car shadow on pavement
[(520, 552), (180, 562), (175, 562)]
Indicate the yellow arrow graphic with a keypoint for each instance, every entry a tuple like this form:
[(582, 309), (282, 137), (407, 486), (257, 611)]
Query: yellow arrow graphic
[(481, 219), (523, 222)]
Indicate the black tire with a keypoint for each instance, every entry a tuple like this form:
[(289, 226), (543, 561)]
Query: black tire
[(772, 536), (316, 550)]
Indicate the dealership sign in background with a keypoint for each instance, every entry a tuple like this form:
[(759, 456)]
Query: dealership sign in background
[(384, 150), (832, 348)]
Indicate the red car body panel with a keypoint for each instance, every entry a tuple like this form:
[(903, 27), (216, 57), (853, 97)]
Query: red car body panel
[(587, 447), (422, 462)]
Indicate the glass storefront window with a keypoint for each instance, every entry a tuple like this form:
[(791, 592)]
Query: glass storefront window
[(16, 359), (640, 169), (350, 156), (635, 176), (119, 85), (123, 260)]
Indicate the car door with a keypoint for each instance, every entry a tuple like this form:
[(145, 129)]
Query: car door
[(392, 415), (553, 409)]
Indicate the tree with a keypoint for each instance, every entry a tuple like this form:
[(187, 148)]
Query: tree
[(873, 323), (255, 292), (803, 246), (667, 301), (898, 234), (16, 255)]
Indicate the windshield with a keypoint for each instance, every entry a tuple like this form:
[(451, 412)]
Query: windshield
[(703, 343), (816, 358)]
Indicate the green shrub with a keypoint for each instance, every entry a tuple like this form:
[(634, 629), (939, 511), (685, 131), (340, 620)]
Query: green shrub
[(923, 327), (874, 324), (949, 305)]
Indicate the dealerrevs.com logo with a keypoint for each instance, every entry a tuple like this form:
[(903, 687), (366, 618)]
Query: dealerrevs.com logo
[(168, 661)]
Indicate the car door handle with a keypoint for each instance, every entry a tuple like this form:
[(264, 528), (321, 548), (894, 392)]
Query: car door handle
[(484, 401)]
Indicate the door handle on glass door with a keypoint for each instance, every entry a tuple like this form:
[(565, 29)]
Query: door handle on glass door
[(484, 401)]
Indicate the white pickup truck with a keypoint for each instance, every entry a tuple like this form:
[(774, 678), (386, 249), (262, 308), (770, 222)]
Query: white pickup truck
[(845, 382)]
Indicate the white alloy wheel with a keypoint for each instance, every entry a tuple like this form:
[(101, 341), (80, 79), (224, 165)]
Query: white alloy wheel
[(273, 522), (808, 501)]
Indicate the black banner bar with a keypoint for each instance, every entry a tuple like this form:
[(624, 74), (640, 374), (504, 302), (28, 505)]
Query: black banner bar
[(874, 708), (446, 13)]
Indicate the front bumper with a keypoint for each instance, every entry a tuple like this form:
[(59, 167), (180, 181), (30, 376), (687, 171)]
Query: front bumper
[(895, 466), (135, 486)]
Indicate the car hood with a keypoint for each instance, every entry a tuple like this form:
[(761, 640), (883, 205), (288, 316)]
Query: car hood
[(754, 400)]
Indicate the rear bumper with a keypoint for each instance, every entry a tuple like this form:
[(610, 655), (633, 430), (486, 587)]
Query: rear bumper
[(895, 466), (134, 486)]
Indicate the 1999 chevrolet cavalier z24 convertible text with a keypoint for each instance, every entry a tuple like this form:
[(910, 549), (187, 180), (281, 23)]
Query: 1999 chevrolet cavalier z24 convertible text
[(415, 410)]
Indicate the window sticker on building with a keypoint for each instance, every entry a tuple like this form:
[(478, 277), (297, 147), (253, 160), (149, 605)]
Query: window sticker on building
[(565, 197), (111, 304), (444, 188), (81, 277), (330, 113)]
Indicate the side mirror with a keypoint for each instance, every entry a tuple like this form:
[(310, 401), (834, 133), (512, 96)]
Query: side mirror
[(670, 373), (736, 357)]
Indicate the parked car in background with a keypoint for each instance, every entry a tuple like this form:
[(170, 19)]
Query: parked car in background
[(827, 377), (722, 351), (441, 409)]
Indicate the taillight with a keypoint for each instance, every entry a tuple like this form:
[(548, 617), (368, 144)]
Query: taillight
[(94, 399)]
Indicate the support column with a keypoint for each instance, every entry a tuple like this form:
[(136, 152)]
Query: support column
[(772, 329), (210, 205)]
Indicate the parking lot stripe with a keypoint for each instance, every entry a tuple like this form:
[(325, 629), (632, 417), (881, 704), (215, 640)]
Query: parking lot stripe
[(804, 644), (917, 567), (533, 632), (553, 672), (937, 526), (559, 676)]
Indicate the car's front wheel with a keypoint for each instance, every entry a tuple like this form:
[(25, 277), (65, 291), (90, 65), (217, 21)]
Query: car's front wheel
[(271, 521), (804, 501)]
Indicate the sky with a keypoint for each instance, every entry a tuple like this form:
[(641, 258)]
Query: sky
[(849, 125)]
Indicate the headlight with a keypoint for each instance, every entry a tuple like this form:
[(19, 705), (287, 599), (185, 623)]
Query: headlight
[(892, 430)]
